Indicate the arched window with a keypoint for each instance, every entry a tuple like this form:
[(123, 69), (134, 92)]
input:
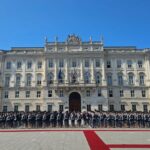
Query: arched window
[(131, 78), (98, 78), (141, 78), (109, 79), (87, 77), (28, 79), (39, 79), (18, 80), (50, 78)]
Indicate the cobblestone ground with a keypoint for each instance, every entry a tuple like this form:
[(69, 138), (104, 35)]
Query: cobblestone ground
[(73, 139)]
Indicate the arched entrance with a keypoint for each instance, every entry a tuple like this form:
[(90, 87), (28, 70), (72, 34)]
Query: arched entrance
[(74, 102)]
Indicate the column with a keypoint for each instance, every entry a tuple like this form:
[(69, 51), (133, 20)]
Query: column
[(55, 71)]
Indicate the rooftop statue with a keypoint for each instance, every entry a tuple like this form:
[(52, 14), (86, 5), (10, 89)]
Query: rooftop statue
[(73, 39)]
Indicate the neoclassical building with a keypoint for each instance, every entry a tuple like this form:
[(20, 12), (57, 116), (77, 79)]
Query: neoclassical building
[(75, 75)]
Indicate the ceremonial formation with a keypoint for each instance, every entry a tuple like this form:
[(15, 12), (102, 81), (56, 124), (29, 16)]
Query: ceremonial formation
[(74, 120)]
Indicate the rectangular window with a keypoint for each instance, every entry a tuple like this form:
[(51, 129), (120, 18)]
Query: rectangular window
[(19, 64), (143, 93), (5, 108), (29, 65), (27, 108), (87, 63), (6, 94), (132, 93), (108, 64), (74, 64), (18, 80), (27, 94), (111, 107), (122, 107), (61, 63), (88, 93), (109, 79), (121, 93), (50, 63), (15, 108), (61, 107), (129, 62), (97, 63), (145, 109), (99, 94), (8, 65), (118, 63), (38, 108), (38, 94), (110, 92), (39, 65), (88, 107), (140, 64), (17, 94), (50, 93), (49, 108), (120, 80), (100, 107), (133, 107), (61, 93), (7, 81)]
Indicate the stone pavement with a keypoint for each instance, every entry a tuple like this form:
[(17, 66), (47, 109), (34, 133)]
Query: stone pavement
[(74, 139)]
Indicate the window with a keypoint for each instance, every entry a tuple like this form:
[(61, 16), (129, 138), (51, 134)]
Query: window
[(61, 63), (27, 108), (140, 64), (19, 64), (99, 94), (129, 62), (74, 64), (39, 65), (88, 107), (100, 107), (61, 107), (61, 93), (145, 109), (98, 78), (50, 64), (131, 79), (18, 80), (87, 77), (122, 107), (132, 93), (29, 65), (7, 81), (27, 94), (121, 93), (109, 79), (87, 63), (17, 94), (97, 63), (133, 107), (50, 78), (118, 63), (38, 108), (38, 94), (39, 79), (15, 108), (108, 64), (49, 108), (4, 108), (141, 79), (88, 93), (6, 94), (29, 80), (111, 107), (8, 65), (110, 93), (50, 93), (120, 79), (143, 93)]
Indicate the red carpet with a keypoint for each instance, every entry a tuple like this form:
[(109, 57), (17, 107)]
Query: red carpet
[(94, 141)]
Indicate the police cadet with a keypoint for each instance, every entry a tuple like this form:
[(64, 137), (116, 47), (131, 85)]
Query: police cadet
[(73, 117), (44, 120), (66, 119), (79, 119), (60, 119)]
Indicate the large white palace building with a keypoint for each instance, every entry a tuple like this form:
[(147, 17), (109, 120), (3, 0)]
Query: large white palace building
[(75, 75)]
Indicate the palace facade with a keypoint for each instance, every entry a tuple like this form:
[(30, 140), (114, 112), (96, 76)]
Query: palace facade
[(75, 75)]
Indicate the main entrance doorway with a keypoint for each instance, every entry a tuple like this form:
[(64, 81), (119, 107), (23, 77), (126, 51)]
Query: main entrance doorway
[(74, 102)]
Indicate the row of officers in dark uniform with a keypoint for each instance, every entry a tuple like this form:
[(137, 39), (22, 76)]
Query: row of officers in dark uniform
[(74, 119)]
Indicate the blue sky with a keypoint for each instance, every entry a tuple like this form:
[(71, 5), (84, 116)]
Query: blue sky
[(25, 23)]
